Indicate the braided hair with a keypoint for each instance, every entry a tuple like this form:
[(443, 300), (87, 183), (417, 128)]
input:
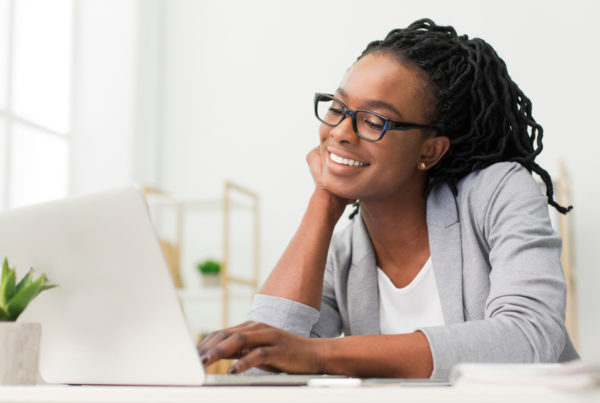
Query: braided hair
[(477, 105)]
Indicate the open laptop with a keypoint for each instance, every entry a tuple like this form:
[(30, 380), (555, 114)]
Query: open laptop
[(115, 318)]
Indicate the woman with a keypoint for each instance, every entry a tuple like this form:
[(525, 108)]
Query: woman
[(451, 257)]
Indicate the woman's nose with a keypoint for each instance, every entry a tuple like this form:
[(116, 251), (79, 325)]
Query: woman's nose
[(344, 132)]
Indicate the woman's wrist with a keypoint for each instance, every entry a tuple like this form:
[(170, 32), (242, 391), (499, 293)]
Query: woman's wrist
[(331, 204), (320, 349)]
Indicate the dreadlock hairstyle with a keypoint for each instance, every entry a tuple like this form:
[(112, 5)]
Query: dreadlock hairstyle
[(477, 105)]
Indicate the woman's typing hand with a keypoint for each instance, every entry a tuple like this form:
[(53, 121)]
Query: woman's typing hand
[(262, 346), (257, 345)]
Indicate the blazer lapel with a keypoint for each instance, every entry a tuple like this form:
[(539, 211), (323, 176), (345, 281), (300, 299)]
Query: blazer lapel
[(446, 251), (363, 299)]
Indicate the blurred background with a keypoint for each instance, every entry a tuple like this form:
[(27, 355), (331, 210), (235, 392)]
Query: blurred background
[(182, 96)]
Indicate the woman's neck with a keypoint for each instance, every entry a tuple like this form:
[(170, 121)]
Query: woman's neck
[(398, 230)]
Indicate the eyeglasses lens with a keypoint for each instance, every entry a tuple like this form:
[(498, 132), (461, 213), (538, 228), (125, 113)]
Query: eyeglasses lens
[(331, 112)]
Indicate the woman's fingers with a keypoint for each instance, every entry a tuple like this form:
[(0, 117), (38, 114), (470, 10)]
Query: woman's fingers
[(211, 340), (314, 163), (218, 336), (262, 346), (260, 357), (280, 351), (236, 344)]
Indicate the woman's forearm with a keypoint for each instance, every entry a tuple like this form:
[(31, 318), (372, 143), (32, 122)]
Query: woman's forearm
[(397, 356), (299, 273)]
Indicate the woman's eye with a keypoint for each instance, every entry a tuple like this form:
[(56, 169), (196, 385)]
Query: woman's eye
[(335, 111), (374, 125)]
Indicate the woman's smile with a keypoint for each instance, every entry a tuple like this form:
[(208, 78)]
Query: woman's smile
[(338, 159), (341, 163)]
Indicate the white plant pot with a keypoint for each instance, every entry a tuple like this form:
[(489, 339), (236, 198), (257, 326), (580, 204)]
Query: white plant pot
[(19, 353), (211, 280)]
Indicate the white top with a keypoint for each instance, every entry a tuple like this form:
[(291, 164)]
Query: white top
[(403, 310)]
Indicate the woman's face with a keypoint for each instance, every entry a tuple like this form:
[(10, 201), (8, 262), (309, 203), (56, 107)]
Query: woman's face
[(378, 83)]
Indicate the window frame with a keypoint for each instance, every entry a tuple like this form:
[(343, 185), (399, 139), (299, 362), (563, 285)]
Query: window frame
[(11, 118)]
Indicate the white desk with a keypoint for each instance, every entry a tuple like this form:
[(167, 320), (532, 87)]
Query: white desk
[(369, 394)]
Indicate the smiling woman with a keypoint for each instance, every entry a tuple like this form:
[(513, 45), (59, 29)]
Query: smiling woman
[(452, 257)]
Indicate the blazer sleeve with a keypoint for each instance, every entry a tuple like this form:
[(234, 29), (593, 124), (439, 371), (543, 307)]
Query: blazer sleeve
[(525, 309)]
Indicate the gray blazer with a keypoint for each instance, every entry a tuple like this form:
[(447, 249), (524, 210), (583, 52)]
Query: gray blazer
[(497, 266)]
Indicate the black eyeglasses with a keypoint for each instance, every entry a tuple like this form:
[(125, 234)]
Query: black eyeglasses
[(367, 125)]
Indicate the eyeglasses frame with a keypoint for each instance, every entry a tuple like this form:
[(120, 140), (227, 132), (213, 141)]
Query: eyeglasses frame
[(388, 125)]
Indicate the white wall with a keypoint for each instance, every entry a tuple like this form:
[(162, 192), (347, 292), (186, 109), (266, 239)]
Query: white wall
[(104, 96), (239, 78)]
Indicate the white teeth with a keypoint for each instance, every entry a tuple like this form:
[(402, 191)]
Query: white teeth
[(346, 161)]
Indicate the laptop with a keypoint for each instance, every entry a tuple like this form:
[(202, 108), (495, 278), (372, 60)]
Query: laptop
[(115, 318)]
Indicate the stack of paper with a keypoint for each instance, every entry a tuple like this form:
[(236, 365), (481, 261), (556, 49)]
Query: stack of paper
[(571, 375)]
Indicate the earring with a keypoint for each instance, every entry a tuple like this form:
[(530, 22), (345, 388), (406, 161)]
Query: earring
[(422, 165)]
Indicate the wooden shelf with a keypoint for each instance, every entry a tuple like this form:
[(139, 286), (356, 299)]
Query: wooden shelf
[(206, 293), (160, 200), (225, 205)]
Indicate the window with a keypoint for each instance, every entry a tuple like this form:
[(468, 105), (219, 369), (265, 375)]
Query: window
[(35, 100)]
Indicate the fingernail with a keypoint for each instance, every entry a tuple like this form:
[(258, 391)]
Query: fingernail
[(232, 370)]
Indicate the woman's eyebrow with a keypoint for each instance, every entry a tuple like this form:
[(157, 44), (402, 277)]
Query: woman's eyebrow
[(374, 103)]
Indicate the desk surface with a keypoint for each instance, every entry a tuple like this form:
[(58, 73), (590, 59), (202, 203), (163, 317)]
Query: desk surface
[(370, 394)]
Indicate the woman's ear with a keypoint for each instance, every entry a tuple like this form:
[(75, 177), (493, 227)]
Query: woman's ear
[(433, 150)]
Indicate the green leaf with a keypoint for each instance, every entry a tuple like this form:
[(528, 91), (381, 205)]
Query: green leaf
[(3, 314), (27, 279), (21, 299), (8, 287), (4, 269), (46, 287), (209, 267)]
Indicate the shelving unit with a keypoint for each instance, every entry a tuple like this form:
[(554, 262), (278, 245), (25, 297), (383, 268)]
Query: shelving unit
[(563, 224), (182, 207), (567, 258)]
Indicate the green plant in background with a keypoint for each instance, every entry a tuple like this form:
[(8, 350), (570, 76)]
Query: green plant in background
[(209, 267), (14, 297)]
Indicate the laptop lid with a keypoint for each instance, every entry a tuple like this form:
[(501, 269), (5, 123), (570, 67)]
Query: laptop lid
[(115, 317)]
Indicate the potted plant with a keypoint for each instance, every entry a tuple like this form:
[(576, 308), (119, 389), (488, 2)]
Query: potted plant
[(210, 270), (19, 342)]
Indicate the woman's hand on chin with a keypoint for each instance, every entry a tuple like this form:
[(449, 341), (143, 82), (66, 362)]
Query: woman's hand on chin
[(262, 346), (315, 164)]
